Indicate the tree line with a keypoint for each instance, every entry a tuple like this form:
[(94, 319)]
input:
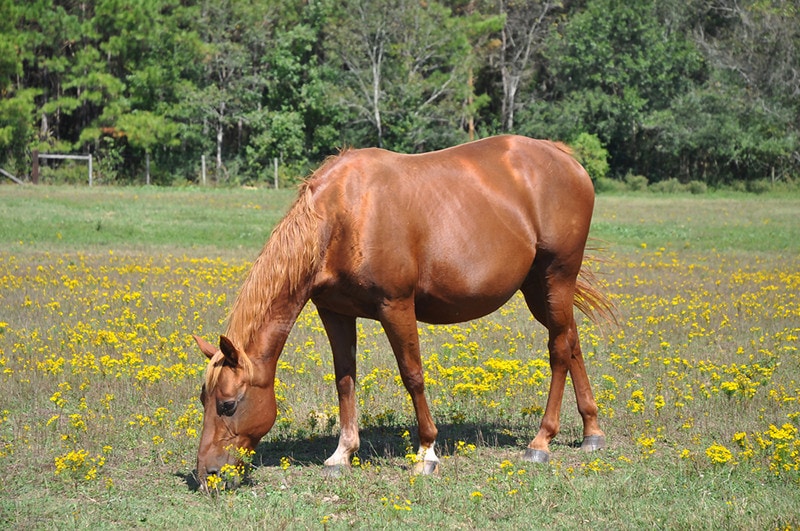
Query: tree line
[(686, 90)]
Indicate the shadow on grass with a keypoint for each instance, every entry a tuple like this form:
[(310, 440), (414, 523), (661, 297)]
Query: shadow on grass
[(190, 479), (388, 442)]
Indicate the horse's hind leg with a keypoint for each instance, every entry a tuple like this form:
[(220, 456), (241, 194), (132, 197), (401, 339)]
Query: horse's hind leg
[(550, 295), (341, 332)]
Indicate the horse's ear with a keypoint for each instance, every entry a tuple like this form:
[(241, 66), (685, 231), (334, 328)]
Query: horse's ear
[(207, 348), (229, 351)]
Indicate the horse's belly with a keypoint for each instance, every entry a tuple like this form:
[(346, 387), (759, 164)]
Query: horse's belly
[(435, 310), (439, 307)]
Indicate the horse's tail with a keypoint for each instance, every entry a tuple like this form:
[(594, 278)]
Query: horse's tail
[(590, 299)]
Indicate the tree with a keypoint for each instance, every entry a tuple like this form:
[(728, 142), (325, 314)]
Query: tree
[(294, 121), (754, 48), (231, 78), (402, 73), (16, 106), (481, 30), (671, 88), (527, 23), (718, 135), (609, 67), (146, 46)]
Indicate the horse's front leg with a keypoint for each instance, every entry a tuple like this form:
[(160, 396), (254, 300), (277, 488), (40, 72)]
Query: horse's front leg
[(400, 323), (341, 332)]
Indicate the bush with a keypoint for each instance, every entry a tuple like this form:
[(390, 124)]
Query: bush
[(759, 186), (737, 186), (698, 187), (589, 151), (670, 186), (788, 186), (67, 173), (636, 183), (606, 185)]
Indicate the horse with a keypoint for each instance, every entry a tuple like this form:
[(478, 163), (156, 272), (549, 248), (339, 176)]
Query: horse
[(440, 237)]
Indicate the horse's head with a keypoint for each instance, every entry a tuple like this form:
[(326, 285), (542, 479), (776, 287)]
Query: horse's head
[(238, 410)]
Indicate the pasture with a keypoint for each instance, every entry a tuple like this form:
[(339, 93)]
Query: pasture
[(698, 386)]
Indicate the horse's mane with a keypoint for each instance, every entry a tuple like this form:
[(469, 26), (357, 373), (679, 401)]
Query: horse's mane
[(216, 364), (285, 263)]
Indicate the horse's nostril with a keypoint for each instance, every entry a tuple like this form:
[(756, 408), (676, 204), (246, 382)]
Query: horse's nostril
[(212, 471)]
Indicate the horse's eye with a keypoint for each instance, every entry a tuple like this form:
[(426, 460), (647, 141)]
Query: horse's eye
[(226, 409)]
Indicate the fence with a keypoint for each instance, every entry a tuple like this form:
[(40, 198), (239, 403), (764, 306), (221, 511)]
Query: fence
[(37, 156), (4, 172)]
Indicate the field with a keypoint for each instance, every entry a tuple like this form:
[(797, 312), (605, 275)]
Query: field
[(698, 386)]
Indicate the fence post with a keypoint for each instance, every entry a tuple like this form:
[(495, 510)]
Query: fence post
[(90, 169), (35, 169), (275, 163)]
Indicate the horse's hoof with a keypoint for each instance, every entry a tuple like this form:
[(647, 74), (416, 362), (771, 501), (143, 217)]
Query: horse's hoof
[(533, 455), (592, 443), (333, 471), (426, 468)]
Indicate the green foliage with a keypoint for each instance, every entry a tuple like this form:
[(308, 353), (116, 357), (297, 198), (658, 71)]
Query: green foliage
[(605, 185), (758, 186), (699, 91), (720, 135), (698, 187), (589, 151), (667, 186), (16, 131), (404, 73), (67, 173), (611, 66), (636, 183)]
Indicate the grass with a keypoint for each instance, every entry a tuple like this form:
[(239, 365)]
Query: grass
[(698, 388), (741, 223), (140, 219)]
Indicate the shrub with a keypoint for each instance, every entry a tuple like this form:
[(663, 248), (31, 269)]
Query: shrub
[(606, 185), (69, 173), (758, 186), (737, 186), (670, 186), (589, 151), (698, 187), (636, 183)]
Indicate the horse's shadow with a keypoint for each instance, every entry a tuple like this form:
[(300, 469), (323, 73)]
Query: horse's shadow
[(380, 442), (383, 442)]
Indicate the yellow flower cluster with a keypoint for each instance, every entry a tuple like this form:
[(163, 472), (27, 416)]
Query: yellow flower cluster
[(97, 335), (718, 454), (464, 448), (779, 445), (396, 502), (78, 465)]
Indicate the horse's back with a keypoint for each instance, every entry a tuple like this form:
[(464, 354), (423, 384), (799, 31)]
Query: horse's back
[(458, 229)]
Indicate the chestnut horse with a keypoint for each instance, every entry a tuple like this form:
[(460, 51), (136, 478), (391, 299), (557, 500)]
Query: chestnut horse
[(441, 237)]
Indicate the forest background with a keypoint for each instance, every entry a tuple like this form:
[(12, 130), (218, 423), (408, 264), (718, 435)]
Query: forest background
[(668, 91)]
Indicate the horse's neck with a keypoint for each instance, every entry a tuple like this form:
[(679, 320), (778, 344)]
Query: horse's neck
[(268, 337)]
